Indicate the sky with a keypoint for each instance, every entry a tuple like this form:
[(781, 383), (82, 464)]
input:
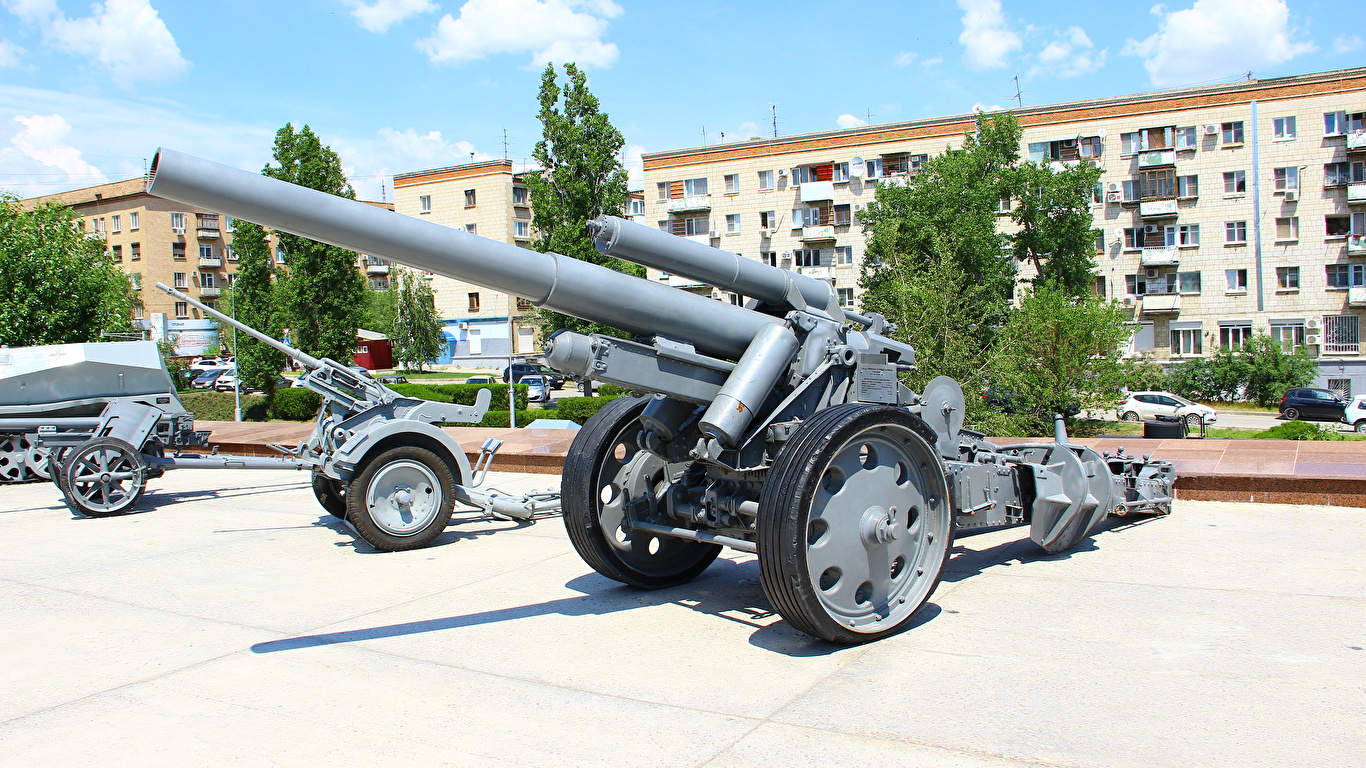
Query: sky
[(89, 91)]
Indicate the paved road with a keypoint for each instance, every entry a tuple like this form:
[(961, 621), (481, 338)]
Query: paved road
[(231, 622)]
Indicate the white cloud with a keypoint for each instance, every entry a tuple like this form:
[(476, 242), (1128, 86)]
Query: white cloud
[(1069, 54), (980, 107), (126, 37), (382, 14), (557, 31), (987, 40), (932, 62), (905, 59), (849, 121), (1216, 38), (44, 139), (1346, 44), (11, 55)]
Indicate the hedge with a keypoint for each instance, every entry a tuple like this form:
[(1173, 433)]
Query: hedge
[(295, 404), (500, 418), (219, 406), (577, 409), (461, 394)]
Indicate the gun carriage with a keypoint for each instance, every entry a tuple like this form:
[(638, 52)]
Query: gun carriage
[(779, 428)]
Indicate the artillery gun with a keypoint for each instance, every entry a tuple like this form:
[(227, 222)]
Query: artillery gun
[(779, 428)]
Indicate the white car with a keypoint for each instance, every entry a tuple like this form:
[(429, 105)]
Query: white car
[(1143, 406), (209, 364), (1355, 415), (538, 389)]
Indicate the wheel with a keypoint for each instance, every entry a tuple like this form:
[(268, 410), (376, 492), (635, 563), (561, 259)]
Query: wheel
[(13, 467), (1130, 416), (402, 499), (604, 472), (1360, 427), (855, 523), (102, 477), (329, 494), (1291, 413), (55, 461), (1192, 422)]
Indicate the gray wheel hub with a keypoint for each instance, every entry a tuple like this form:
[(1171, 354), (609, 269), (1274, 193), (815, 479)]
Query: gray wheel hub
[(403, 497)]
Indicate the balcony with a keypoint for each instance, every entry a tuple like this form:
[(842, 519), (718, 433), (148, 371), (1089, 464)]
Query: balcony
[(207, 233), (1356, 245), (690, 203), (1356, 194), (210, 262), (1156, 158), (209, 293), (817, 191), (1356, 141), (820, 273), (813, 234), (1152, 209), (1356, 296), (376, 269), (1162, 304), (1160, 257), (703, 239)]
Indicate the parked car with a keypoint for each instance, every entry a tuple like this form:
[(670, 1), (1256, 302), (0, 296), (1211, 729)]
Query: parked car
[(206, 378), (1355, 415), (480, 380), (227, 381), (1142, 406), (519, 371), (392, 380), (1312, 404), (208, 364), (538, 389)]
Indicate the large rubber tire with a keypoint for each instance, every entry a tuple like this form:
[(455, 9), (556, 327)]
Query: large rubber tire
[(1192, 422), (102, 477), (855, 523), (329, 494), (1130, 416), (1291, 414), (401, 499), (604, 470), (1360, 427)]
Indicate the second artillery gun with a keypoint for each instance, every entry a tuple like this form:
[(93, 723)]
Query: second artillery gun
[(779, 428)]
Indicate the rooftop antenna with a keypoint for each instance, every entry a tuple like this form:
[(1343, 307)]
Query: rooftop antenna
[(383, 191), (868, 113), (1248, 75), (773, 108), (471, 157), (704, 135), (505, 144), (1019, 101)]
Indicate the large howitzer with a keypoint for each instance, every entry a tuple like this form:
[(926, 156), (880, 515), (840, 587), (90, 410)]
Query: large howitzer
[(779, 428)]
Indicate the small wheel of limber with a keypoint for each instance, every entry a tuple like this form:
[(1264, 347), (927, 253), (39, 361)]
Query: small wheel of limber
[(402, 499), (102, 477), (854, 523), (605, 471), (329, 494)]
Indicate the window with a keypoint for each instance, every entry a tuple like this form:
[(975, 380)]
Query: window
[(114, 223), (839, 171), (1098, 287), (1346, 275), (1233, 132), (765, 180), (206, 221), (1343, 123), (1092, 146), (206, 279), (1130, 191), (1235, 280), (230, 223), (1187, 186), (1136, 237), (133, 220), (279, 255), (694, 187), (521, 229), (1183, 235), (1235, 232), (663, 189), (182, 308), (135, 252), (637, 208), (1185, 137), (519, 196), (1341, 334), (178, 221), (178, 251), (205, 251), (1286, 178), (1187, 341), (1282, 128), (1337, 226), (1189, 282), (732, 181), (1235, 182), (700, 225), (769, 257), (179, 280), (1136, 285), (1336, 174), (1288, 278), (474, 301), (1100, 241), (424, 203), (844, 254), (469, 198), (137, 312), (732, 223), (229, 253), (873, 168), (1128, 144), (807, 217), (473, 229), (846, 296), (1288, 334), (805, 173), (902, 164), (807, 257), (1158, 184), (1234, 334), (843, 215), (1063, 149), (116, 253), (768, 219), (1097, 194), (99, 225), (1288, 228)]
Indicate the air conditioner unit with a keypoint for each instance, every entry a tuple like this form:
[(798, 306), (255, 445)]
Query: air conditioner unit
[(1127, 301), (1313, 339), (1313, 324), (713, 234), (858, 206), (464, 326), (1114, 186), (1149, 229), (1152, 273), (174, 230), (1292, 195), (1211, 130), (1114, 197), (782, 171)]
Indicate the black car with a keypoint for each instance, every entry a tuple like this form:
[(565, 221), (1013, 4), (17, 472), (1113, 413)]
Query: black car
[(1312, 404), (520, 370)]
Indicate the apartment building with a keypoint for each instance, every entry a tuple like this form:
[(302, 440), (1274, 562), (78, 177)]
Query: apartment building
[(489, 200), (1223, 210)]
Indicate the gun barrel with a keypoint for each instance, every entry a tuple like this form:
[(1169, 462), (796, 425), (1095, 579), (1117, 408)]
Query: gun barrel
[(566, 285), (655, 248), (306, 360)]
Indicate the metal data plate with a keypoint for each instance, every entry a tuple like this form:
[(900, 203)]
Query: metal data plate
[(876, 383)]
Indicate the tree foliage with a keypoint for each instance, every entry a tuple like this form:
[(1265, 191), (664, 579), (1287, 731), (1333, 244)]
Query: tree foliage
[(1260, 372), (416, 333), (581, 178), (323, 295), (255, 303), (1052, 212), (57, 286)]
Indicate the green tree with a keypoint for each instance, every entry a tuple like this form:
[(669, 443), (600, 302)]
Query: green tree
[(416, 332), (324, 294), (1052, 210), (255, 304), (380, 309), (1273, 370), (57, 286), (581, 178), (1260, 372)]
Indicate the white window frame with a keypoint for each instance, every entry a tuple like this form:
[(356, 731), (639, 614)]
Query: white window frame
[(180, 280), (1283, 128), (1130, 143), (1235, 334), (178, 221), (695, 187), (1232, 232), (521, 229), (844, 254), (132, 221), (116, 223), (1235, 280), (846, 296), (1288, 278), (765, 181), (662, 189), (1286, 178), (732, 223), (839, 171), (1187, 342), (1187, 138), (1292, 228), (1292, 328), (1235, 179), (1231, 133), (424, 203), (1188, 186), (1188, 282), (1335, 123), (732, 183)]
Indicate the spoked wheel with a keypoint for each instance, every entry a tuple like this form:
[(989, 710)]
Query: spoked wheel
[(606, 473), (329, 494), (12, 459), (1130, 416), (854, 523), (102, 477), (1192, 422), (1291, 414), (402, 499), (1360, 427)]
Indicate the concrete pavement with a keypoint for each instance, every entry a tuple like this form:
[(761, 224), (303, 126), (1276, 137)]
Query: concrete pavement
[(231, 622)]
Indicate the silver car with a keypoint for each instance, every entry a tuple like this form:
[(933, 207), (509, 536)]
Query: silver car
[(537, 388)]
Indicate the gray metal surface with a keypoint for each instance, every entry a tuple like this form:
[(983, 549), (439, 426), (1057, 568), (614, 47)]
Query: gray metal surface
[(48, 378)]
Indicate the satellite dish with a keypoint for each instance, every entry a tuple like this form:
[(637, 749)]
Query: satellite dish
[(856, 168), (1101, 133)]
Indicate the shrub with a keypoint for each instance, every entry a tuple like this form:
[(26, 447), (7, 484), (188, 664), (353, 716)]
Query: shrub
[(579, 409), (500, 418), (461, 394), (1301, 430), (219, 406), (612, 390), (295, 404)]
